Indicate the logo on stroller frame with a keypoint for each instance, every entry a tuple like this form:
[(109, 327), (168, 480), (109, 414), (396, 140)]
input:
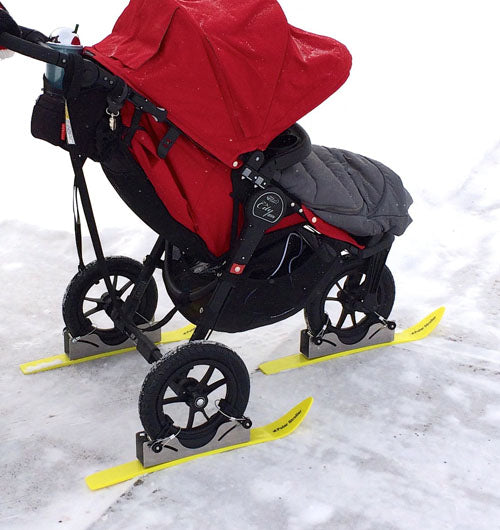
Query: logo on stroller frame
[(269, 207)]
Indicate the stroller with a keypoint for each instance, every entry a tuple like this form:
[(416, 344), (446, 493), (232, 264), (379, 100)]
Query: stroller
[(191, 110)]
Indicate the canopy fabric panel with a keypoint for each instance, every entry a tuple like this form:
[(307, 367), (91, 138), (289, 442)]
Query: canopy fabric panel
[(232, 75)]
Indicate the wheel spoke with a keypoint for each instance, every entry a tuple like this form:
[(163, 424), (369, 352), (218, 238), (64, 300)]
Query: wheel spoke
[(95, 300), (124, 288), (96, 309), (175, 399), (115, 282), (342, 318), (208, 374), (207, 417), (332, 299), (217, 384), (190, 422), (353, 318)]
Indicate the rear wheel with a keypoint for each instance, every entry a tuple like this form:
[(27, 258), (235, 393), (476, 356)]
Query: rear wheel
[(87, 304), (190, 392), (334, 311)]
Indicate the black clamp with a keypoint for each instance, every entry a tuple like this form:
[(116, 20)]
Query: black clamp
[(116, 98), (250, 170)]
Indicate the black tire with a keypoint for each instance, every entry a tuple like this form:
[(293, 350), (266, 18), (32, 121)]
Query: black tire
[(334, 308), (87, 296), (168, 403)]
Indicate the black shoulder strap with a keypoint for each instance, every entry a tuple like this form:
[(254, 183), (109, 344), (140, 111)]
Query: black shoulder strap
[(78, 228)]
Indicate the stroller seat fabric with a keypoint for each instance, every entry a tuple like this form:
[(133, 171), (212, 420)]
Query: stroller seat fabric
[(350, 191)]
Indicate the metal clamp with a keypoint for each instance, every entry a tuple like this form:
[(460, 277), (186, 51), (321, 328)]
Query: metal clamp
[(160, 452), (91, 344), (330, 343), (244, 421)]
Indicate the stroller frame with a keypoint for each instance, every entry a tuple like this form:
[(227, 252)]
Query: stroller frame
[(264, 204)]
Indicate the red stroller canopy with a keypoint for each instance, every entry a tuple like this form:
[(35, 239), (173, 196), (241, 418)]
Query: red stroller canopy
[(231, 74)]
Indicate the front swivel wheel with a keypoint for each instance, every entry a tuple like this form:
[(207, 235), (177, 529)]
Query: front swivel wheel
[(192, 391)]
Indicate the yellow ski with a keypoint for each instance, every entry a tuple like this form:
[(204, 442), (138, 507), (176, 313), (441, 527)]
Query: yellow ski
[(59, 361), (277, 429), (416, 332)]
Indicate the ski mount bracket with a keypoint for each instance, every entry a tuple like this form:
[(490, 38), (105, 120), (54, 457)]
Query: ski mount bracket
[(329, 343), (157, 452), (91, 344)]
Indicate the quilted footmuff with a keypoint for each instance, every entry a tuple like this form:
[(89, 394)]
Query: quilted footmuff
[(350, 191)]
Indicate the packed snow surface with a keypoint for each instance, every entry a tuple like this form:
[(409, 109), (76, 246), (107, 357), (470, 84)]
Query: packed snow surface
[(405, 437)]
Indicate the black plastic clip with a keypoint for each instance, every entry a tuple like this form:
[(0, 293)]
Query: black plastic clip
[(116, 98), (167, 142)]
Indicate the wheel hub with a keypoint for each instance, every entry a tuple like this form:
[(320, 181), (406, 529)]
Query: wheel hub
[(107, 303), (348, 299), (201, 402), (194, 393)]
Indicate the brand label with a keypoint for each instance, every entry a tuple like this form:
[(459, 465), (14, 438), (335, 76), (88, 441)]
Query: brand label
[(289, 422), (269, 207)]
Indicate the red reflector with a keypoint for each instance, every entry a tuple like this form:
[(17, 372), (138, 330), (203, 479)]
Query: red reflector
[(237, 269)]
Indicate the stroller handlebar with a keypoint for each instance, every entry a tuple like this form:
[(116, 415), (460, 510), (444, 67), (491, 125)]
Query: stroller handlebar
[(92, 74), (40, 52)]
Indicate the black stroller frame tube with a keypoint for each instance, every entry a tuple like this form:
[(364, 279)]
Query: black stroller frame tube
[(260, 215)]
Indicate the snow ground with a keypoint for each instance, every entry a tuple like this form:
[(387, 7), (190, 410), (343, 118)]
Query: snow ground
[(401, 438)]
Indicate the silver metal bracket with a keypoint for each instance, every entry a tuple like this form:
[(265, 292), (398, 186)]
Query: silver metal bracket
[(153, 453), (91, 344), (329, 343)]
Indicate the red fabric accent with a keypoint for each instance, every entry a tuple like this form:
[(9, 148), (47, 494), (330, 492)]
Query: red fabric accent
[(232, 75), (63, 131), (290, 220), (328, 229)]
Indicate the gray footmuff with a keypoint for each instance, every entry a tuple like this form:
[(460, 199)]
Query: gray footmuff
[(350, 191)]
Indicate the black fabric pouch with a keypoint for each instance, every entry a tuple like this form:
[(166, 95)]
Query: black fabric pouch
[(47, 120), (89, 122)]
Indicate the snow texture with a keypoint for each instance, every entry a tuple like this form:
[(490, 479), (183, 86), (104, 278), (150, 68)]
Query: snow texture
[(400, 438)]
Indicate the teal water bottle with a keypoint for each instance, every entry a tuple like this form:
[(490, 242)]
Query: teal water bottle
[(65, 40)]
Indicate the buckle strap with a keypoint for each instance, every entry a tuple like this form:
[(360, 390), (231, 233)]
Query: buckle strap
[(167, 142), (134, 125), (146, 106), (159, 114)]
